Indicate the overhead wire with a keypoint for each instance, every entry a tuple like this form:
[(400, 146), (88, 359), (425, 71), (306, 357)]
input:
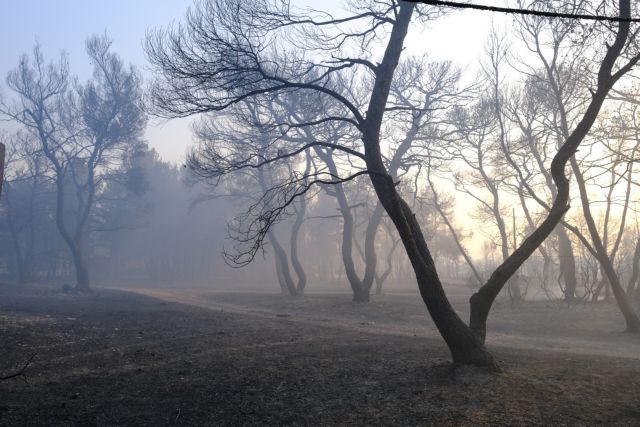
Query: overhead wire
[(520, 11)]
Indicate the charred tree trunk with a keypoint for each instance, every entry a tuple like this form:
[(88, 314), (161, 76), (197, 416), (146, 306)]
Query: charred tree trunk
[(464, 344)]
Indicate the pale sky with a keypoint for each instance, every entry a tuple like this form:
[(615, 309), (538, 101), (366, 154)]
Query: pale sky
[(63, 25)]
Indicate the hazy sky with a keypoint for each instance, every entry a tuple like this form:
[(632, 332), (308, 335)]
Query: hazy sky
[(65, 24)]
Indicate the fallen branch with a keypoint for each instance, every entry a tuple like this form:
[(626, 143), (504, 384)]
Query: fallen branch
[(20, 372)]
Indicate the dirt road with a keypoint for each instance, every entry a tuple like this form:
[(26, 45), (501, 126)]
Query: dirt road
[(539, 325)]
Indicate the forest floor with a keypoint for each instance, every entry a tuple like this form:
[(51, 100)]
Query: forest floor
[(192, 357)]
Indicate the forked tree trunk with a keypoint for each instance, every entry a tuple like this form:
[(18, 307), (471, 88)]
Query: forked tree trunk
[(466, 347), (464, 344)]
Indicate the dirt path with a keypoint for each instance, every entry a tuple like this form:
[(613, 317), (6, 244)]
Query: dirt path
[(539, 326)]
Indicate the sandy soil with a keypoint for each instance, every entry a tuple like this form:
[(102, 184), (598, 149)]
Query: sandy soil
[(116, 358)]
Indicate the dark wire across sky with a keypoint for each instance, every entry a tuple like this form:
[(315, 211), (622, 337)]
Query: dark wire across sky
[(519, 11)]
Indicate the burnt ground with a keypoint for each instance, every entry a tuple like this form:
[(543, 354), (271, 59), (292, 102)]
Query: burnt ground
[(117, 358)]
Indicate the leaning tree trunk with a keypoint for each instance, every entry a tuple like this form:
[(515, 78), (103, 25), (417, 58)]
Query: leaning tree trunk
[(464, 344)]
